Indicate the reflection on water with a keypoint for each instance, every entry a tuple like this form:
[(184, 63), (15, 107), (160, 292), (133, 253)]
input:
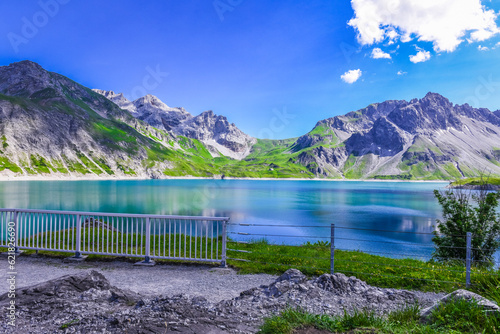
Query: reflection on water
[(394, 206)]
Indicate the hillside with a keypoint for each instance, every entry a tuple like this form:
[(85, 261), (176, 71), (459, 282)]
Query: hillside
[(51, 125)]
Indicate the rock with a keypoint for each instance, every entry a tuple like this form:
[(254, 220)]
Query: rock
[(88, 303), (218, 135), (292, 275), (486, 304)]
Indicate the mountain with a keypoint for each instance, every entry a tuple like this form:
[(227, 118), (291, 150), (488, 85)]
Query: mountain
[(51, 125), (425, 138), (219, 136)]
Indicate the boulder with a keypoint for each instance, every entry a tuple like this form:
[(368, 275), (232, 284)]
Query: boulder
[(486, 304)]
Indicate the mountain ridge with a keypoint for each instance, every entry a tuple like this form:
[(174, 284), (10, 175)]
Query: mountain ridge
[(51, 125)]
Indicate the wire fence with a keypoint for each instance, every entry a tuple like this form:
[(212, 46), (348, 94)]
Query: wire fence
[(402, 258)]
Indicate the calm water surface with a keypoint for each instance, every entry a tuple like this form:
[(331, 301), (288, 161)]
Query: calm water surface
[(306, 208)]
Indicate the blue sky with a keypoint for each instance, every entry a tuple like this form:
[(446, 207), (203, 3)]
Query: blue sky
[(272, 67)]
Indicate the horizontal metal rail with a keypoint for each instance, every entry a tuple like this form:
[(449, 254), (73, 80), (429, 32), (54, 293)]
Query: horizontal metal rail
[(186, 238)]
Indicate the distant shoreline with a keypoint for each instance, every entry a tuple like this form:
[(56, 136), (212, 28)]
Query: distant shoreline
[(132, 178)]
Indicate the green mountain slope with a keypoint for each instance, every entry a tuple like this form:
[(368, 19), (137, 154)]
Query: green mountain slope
[(51, 125)]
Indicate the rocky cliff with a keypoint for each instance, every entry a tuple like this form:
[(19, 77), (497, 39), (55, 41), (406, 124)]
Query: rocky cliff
[(51, 125), (219, 136), (423, 138)]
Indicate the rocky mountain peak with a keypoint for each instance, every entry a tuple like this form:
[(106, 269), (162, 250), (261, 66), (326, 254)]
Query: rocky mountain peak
[(24, 78), (152, 101), (220, 136), (435, 99), (215, 131), (27, 65)]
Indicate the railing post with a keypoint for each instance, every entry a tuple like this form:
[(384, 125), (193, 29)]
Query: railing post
[(16, 226), (78, 253), (147, 258), (332, 249), (468, 259), (223, 263)]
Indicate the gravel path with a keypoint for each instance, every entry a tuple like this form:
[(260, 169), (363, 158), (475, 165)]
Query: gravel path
[(215, 284)]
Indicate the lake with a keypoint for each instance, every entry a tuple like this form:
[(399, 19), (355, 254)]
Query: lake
[(291, 212)]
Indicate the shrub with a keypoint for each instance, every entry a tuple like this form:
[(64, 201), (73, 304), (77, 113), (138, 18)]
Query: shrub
[(467, 211)]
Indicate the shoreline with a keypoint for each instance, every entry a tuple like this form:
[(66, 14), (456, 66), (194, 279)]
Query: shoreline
[(138, 178)]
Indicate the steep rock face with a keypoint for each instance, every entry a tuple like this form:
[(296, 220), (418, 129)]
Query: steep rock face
[(384, 138), (339, 128), (428, 137), (323, 161), (433, 112), (218, 135), (153, 111), (49, 124), (119, 100), (149, 109)]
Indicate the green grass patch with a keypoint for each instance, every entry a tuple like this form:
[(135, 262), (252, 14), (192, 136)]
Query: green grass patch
[(58, 165), (459, 316), (476, 181), (45, 93), (113, 133), (40, 165), (75, 166), (89, 163), (314, 260), (354, 168), (5, 163)]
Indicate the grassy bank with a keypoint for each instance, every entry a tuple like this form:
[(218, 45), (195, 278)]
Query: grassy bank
[(457, 317), (261, 257), (477, 181), (314, 260)]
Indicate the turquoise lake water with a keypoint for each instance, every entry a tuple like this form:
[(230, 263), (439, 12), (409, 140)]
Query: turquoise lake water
[(298, 211)]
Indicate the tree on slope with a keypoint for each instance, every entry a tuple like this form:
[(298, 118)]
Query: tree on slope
[(466, 210)]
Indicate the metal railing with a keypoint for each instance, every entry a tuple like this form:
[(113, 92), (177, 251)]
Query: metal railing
[(356, 251), (188, 238)]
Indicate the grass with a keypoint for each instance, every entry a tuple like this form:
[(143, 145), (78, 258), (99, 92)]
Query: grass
[(262, 257), (459, 316), (88, 163), (475, 181), (5, 163), (75, 166), (314, 260)]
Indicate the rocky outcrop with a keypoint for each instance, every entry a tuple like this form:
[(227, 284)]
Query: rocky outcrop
[(153, 111), (431, 133), (49, 124), (87, 303), (487, 305), (323, 161), (219, 136)]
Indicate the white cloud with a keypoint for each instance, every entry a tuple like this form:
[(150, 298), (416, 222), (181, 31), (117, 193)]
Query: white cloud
[(483, 48), (351, 76), (377, 53), (421, 56), (402, 73), (445, 23)]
